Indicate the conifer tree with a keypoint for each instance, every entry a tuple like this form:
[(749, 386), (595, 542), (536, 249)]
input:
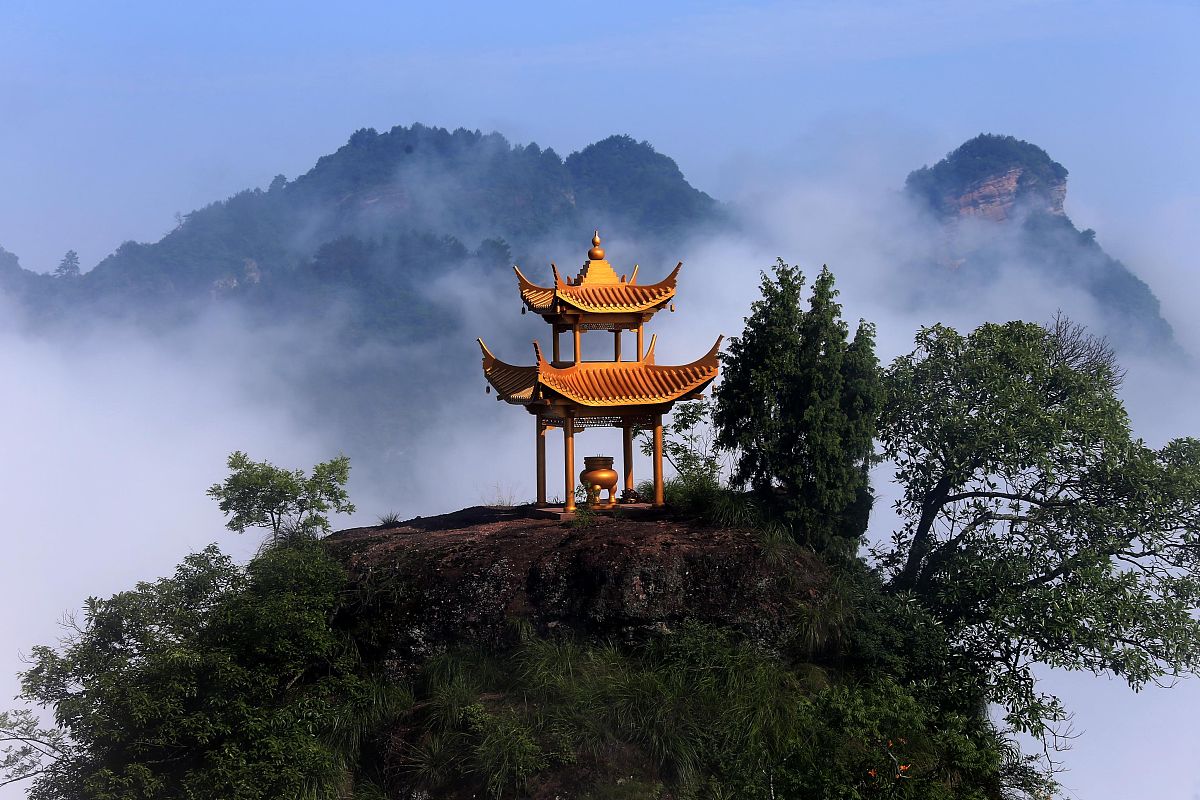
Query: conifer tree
[(69, 266), (798, 403)]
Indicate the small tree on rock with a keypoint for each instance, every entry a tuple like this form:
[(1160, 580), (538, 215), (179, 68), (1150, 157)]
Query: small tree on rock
[(258, 494)]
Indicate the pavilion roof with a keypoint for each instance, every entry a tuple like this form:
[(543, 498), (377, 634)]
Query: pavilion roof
[(600, 384), (597, 289)]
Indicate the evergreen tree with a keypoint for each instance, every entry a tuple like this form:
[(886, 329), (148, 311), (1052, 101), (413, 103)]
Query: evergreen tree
[(69, 266), (798, 404)]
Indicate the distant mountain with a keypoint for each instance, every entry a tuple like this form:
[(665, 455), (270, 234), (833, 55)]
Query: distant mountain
[(354, 250), (381, 212), (1000, 202), (348, 258)]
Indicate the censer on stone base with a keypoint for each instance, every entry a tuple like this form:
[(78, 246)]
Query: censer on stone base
[(598, 474)]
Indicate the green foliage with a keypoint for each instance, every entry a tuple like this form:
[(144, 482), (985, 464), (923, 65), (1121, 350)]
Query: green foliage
[(219, 682), (689, 446), (258, 494), (30, 750), (797, 403), (1036, 529), (699, 712), (689, 442), (389, 520)]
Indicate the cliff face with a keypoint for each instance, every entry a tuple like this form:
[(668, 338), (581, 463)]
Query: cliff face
[(463, 578), (989, 177), (1013, 193), (996, 197)]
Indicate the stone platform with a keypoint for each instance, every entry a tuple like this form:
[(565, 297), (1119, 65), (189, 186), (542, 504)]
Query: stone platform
[(627, 510)]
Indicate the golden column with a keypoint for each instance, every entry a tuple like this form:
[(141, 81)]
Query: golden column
[(658, 460), (569, 462), (627, 448), (541, 462)]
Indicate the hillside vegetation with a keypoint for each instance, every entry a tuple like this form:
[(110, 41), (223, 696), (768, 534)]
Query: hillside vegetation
[(745, 642)]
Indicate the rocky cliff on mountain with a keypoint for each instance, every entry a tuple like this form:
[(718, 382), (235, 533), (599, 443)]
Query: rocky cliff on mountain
[(465, 577), (995, 197), (991, 177), (645, 656), (999, 202)]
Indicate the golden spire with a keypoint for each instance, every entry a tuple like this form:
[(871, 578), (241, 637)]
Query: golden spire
[(597, 252)]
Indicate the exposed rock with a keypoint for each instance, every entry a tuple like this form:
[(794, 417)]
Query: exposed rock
[(465, 577), (996, 196), (1000, 204), (988, 177)]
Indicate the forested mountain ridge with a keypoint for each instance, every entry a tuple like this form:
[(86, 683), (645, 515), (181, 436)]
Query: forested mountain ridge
[(348, 257), (369, 222), (363, 218)]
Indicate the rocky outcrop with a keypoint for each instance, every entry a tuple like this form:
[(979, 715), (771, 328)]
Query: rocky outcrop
[(997, 196), (465, 577), (1017, 192), (991, 177)]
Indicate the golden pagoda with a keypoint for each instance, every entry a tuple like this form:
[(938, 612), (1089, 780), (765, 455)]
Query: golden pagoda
[(630, 394)]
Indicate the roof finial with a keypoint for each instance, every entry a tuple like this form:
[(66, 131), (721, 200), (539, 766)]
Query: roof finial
[(597, 252)]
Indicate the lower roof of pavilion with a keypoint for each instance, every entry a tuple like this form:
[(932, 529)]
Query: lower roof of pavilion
[(618, 390)]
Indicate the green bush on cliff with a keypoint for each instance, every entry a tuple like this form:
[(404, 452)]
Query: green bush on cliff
[(698, 713), (218, 682), (263, 681)]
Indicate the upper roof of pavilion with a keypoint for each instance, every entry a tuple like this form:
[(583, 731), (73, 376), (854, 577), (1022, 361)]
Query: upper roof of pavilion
[(600, 384), (597, 289)]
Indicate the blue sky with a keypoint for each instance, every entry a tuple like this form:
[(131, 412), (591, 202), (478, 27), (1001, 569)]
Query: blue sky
[(115, 116)]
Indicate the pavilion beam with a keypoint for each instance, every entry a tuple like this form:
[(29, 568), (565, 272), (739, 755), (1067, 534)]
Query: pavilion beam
[(569, 463), (658, 461), (541, 463), (627, 442)]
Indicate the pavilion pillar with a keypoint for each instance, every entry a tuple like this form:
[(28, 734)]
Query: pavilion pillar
[(569, 462), (617, 345), (658, 460), (575, 330), (557, 357), (541, 462), (627, 441), (639, 343)]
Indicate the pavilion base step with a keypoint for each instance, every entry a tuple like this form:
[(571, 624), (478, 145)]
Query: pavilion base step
[(634, 510)]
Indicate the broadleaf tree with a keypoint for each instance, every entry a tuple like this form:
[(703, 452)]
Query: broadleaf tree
[(797, 405), (220, 682), (1035, 528), (258, 494)]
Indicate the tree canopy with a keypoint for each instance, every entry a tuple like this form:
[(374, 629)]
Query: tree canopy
[(220, 681), (1036, 529), (258, 494), (797, 404), (69, 266)]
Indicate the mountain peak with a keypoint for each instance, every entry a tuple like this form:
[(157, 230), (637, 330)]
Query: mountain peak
[(989, 177)]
